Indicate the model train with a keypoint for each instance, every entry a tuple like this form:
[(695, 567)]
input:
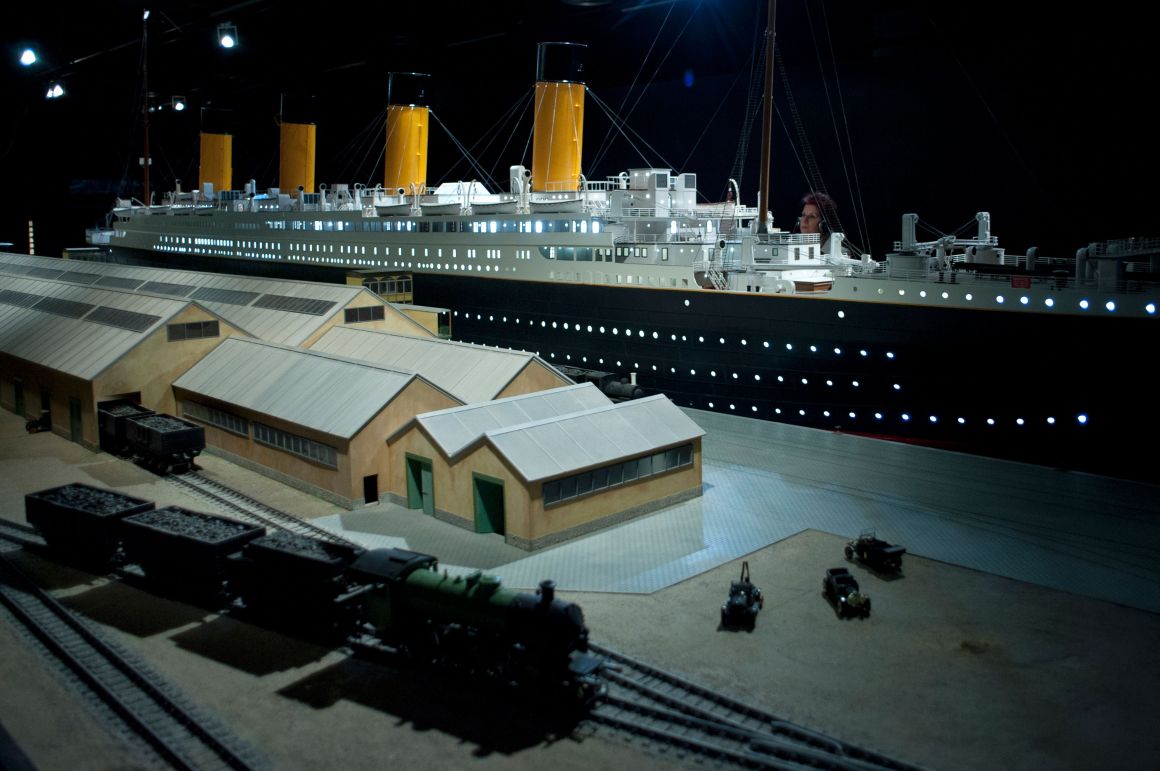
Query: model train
[(161, 442), (399, 598)]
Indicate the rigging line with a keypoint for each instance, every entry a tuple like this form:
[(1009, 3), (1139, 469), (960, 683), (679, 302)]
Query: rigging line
[(346, 155), (492, 133), (600, 151), (842, 148), (621, 126), (487, 179), (712, 118), (672, 47)]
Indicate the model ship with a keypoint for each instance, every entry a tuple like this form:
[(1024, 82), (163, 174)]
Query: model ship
[(631, 279)]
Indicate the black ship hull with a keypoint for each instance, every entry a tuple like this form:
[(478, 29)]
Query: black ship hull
[(1048, 389)]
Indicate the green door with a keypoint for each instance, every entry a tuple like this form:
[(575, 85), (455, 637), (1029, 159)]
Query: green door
[(74, 419), (420, 485), (488, 504)]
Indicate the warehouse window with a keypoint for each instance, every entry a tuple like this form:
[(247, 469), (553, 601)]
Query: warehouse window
[(322, 454), (594, 481), (367, 313), (235, 424), (193, 331)]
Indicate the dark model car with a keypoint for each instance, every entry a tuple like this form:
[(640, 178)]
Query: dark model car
[(841, 589), (744, 600), (875, 553)]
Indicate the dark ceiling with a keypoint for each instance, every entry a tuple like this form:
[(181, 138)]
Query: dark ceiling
[(905, 105)]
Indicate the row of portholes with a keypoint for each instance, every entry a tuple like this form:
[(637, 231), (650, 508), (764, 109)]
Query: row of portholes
[(628, 332), (1024, 300), (1081, 419)]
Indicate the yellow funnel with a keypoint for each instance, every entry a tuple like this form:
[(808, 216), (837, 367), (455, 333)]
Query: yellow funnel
[(216, 161), (405, 164), (296, 157), (559, 136)]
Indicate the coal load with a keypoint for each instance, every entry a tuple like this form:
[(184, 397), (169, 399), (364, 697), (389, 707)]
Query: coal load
[(184, 546), (81, 519), (164, 442)]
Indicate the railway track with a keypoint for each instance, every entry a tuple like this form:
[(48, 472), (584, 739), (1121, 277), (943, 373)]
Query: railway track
[(674, 712), (177, 733), (249, 509)]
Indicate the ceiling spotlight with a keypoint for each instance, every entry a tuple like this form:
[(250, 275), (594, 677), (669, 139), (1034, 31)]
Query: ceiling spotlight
[(178, 103), (227, 35), (55, 91), (28, 57)]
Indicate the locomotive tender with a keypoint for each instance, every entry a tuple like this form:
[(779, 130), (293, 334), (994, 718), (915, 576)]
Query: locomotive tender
[(398, 598)]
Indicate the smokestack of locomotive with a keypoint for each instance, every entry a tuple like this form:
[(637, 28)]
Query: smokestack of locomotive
[(558, 133)]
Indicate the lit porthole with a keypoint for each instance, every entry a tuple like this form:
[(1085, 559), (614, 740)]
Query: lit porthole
[(863, 352), (734, 375), (589, 327), (837, 351), (1018, 421), (505, 319), (600, 361), (757, 377), (618, 364), (753, 408), (686, 303), (841, 314), (890, 354), (732, 407), (780, 379), (543, 323), (1081, 419), (934, 419), (743, 342), (1050, 421), (766, 344), (852, 415), (813, 349), (654, 368), (789, 346), (1024, 300), (805, 381), (1084, 304), (826, 413), (684, 339), (565, 325), (897, 387), (922, 293), (856, 384), (627, 332), (700, 339), (635, 365), (999, 299), (584, 359), (491, 318), (455, 313), (968, 297), (568, 357), (905, 418), (802, 413), (614, 331), (990, 421), (553, 325), (1150, 308), (962, 421), (878, 416), (602, 330), (692, 372), (945, 296), (777, 410), (712, 373), (721, 340), (674, 338), (710, 405), (830, 383), (1110, 305), (901, 292), (1049, 302)]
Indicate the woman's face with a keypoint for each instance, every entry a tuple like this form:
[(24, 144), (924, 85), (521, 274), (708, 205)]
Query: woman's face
[(811, 219)]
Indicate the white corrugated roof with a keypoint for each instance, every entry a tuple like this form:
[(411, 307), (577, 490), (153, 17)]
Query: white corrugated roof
[(456, 428), (326, 393), (603, 435), (278, 326), (75, 346), (472, 373)]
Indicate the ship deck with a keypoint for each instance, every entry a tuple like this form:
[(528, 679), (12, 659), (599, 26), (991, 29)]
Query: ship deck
[(764, 482)]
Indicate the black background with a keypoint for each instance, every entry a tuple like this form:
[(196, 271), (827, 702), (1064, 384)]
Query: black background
[(1042, 117)]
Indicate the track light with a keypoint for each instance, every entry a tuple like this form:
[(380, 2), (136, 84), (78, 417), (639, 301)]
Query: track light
[(55, 91), (227, 35), (178, 103), (28, 57)]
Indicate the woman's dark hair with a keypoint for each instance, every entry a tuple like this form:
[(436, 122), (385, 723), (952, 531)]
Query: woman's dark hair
[(826, 207)]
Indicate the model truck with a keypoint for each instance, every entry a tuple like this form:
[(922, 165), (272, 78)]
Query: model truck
[(875, 553), (841, 589)]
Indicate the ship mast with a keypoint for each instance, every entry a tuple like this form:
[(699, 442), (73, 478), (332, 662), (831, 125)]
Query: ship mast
[(767, 122), (145, 97)]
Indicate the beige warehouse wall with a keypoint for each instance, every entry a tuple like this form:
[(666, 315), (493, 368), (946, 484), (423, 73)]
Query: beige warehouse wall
[(535, 376)]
